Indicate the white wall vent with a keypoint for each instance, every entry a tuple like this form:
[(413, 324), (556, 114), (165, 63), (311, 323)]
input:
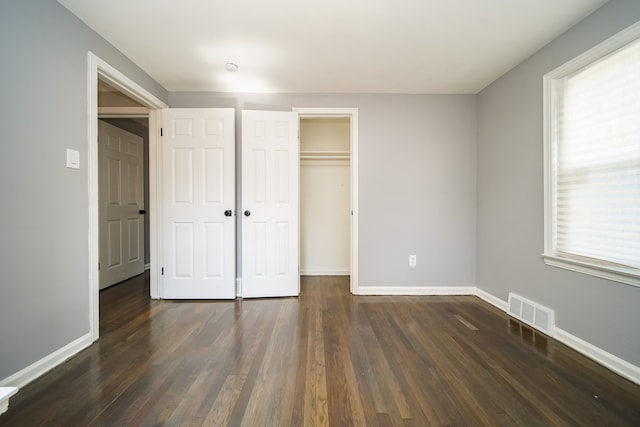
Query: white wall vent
[(531, 313)]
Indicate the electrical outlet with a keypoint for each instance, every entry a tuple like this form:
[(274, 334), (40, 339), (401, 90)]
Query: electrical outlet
[(412, 261)]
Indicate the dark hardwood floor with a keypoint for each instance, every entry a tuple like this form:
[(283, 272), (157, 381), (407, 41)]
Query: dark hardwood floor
[(325, 358)]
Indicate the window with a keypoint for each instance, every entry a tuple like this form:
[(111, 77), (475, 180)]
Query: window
[(592, 161)]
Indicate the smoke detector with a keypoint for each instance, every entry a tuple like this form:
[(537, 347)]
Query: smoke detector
[(231, 66)]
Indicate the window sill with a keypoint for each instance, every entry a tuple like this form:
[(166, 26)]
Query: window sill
[(626, 275)]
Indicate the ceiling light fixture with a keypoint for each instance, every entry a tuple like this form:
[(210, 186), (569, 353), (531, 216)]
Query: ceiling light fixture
[(231, 66)]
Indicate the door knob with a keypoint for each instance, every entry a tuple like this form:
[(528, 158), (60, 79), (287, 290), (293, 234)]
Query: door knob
[(227, 213), (247, 213), (142, 212)]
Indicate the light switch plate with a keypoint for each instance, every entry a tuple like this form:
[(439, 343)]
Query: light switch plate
[(73, 159)]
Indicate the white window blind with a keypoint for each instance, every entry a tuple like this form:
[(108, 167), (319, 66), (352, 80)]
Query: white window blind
[(596, 161)]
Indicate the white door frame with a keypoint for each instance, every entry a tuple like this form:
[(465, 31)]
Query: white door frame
[(100, 68), (352, 114)]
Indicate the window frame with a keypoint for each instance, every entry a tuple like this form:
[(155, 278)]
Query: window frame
[(551, 256)]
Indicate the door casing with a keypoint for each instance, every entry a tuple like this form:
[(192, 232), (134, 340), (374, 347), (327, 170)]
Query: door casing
[(352, 114), (100, 68)]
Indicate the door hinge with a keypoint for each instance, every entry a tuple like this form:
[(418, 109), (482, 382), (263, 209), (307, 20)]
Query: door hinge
[(98, 266), (160, 131), (162, 271)]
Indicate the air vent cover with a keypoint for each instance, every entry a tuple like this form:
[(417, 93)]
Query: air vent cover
[(533, 314)]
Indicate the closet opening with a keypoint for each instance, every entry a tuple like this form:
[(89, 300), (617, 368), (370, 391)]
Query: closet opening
[(325, 196)]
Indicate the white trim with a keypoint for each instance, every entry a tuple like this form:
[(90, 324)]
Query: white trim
[(155, 200), (547, 161), (417, 290), (92, 172), (116, 112), (47, 363), (324, 112), (125, 85), (629, 276), (324, 272), (355, 212), (494, 301), (352, 113), (5, 395), (99, 68), (620, 274), (606, 359), (602, 49), (239, 287)]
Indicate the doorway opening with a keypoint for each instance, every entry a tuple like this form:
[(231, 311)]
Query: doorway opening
[(123, 159), (329, 193), (325, 196), (100, 70)]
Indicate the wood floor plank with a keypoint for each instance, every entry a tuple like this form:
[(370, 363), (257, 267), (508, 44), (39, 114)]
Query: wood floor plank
[(315, 402), (385, 347), (327, 358)]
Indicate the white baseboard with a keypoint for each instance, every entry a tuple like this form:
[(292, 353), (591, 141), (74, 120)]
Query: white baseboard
[(606, 359), (416, 290), (494, 301), (47, 363), (5, 395), (325, 272)]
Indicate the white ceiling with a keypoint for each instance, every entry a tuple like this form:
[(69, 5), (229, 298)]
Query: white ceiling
[(370, 46)]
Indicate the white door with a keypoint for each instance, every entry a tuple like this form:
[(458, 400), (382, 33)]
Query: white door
[(270, 218), (198, 152), (121, 180)]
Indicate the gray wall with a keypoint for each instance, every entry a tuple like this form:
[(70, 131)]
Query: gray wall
[(44, 291), (417, 184), (416, 180), (510, 198)]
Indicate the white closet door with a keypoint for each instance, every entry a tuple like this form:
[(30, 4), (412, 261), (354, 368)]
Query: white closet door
[(270, 192), (198, 151), (121, 200)]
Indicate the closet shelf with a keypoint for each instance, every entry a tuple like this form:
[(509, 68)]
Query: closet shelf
[(325, 155)]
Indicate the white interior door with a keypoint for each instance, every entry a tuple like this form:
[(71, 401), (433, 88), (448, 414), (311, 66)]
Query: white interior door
[(121, 180), (198, 151), (270, 192)]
